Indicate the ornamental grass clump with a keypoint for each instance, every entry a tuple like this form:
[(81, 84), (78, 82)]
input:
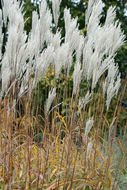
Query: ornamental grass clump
[(55, 97)]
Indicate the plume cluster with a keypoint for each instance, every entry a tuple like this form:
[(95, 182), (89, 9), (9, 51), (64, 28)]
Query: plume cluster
[(34, 53), (51, 96)]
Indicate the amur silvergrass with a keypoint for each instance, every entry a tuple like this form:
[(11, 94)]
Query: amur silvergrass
[(24, 53), (25, 62)]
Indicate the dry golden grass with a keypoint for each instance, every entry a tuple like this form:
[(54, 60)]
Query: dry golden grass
[(61, 159)]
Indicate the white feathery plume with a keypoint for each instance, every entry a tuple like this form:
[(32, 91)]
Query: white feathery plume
[(72, 36), (89, 10), (43, 8), (104, 48), (93, 16), (89, 150), (6, 76), (1, 35), (35, 23), (58, 61), (6, 4), (68, 64), (110, 38), (34, 36), (117, 37), (51, 96), (113, 83), (79, 50), (87, 54), (67, 19), (38, 36), (15, 16), (100, 69), (60, 58), (24, 87), (40, 29), (15, 55), (77, 74), (85, 100), (74, 40), (45, 22), (101, 42), (110, 17), (93, 68), (89, 124), (42, 64), (54, 39), (90, 53), (56, 12)]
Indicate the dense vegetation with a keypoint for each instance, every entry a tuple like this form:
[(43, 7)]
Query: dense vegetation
[(63, 122)]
